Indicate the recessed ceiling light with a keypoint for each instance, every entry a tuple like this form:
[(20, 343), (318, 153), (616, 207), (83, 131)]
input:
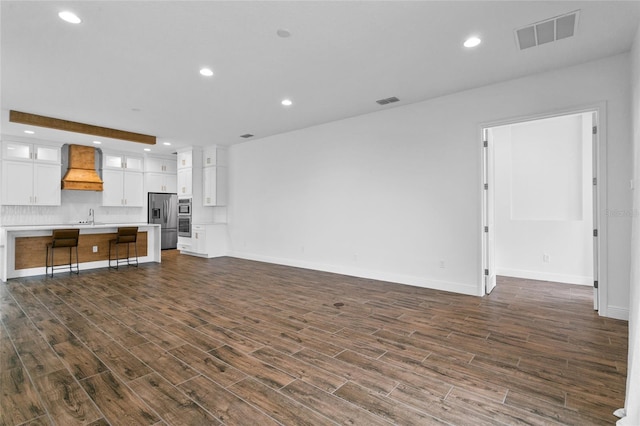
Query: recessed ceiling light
[(166, 143), (97, 142), (147, 149), (29, 132), (69, 17), (206, 72), (286, 102), (284, 33), (472, 42)]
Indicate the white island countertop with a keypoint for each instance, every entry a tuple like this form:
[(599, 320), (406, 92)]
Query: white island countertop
[(97, 225)]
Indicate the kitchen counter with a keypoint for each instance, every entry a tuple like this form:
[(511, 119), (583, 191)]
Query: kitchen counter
[(81, 226), (96, 236)]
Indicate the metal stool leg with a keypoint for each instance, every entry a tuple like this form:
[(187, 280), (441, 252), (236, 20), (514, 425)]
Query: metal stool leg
[(77, 271), (46, 263)]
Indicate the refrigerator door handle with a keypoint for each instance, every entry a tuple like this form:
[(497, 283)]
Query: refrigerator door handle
[(166, 209)]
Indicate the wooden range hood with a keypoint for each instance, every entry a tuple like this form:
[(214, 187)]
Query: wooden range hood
[(82, 174)]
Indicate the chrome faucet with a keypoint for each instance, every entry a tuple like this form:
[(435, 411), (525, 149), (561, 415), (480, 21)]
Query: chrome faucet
[(92, 217)]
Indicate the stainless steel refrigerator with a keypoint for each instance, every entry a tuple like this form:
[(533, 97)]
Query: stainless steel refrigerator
[(163, 210)]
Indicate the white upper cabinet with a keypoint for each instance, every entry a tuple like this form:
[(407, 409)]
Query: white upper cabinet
[(214, 184), (30, 152), (122, 188), (185, 182), (133, 192), (214, 156), (185, 159), (29, 184), (113, 188), (160, 182), (120, 161), (31, 174), (160, 165), (214, 176), (123, 180), (160, 174)]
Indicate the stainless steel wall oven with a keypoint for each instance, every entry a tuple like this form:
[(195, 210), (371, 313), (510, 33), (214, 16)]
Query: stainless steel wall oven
[(184, 226), (184, 217)]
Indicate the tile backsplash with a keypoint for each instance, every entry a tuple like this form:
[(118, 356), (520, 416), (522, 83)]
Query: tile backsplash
[(75, 208)]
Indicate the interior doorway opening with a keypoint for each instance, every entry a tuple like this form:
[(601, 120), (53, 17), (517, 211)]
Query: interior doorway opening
[(540, 196)]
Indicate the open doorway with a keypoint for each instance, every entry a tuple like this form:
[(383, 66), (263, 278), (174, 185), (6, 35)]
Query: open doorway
[(540, 200)]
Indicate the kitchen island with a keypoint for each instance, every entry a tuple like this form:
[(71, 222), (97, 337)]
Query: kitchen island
[(23, 248)]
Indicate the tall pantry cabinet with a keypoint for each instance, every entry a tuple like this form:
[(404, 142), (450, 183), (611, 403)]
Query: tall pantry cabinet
[(202, 176)]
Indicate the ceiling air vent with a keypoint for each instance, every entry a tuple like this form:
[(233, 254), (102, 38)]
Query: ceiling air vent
[(387, 100), (246, 135), (546, 31)]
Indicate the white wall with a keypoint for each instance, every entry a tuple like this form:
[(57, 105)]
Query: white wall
[(632, 402), (543, 199), (390, 195)]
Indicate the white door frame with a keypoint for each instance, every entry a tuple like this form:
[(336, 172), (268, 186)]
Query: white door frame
[(599, 200), (488, 210)]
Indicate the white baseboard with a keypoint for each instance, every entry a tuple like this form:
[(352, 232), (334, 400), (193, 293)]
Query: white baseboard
[(617, 313), (471, 290), (545, 276)]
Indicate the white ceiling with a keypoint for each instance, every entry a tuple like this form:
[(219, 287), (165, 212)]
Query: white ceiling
[(134, 65)]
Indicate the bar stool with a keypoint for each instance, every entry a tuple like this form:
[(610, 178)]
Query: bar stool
[(63, 238), (126, 235)]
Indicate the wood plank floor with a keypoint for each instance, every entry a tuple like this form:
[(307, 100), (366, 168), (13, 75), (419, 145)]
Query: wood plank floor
[(226, 341)]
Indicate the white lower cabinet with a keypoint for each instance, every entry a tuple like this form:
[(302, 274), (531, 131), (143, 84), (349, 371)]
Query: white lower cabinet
[(199, 239), (207, 240), (123, 189), (28, 183)]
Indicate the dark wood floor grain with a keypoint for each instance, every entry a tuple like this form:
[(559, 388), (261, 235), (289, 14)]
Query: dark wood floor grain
[(196, 341)]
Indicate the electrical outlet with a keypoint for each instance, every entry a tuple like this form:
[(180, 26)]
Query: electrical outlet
[(95, 249), (546, 258)]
